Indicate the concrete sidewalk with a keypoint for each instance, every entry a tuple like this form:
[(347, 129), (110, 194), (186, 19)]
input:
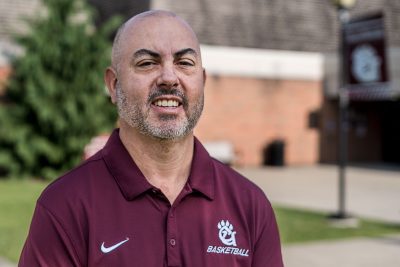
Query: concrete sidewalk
[(371, 193), (5, 263), (358, 252)]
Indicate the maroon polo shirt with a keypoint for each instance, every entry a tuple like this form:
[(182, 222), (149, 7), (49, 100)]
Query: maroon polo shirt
[(105, 213)]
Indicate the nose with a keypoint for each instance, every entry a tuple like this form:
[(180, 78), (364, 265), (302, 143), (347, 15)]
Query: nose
[(168, 77)]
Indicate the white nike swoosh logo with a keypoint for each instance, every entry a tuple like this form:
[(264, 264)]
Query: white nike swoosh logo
[(109, 249)]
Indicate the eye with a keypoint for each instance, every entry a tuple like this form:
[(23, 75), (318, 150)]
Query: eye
[(146, 63), (186, 62)]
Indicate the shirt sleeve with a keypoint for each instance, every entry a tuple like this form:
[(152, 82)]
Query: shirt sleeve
[(267, 251), (47, 243)]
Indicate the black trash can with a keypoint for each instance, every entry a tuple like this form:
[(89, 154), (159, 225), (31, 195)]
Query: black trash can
[(274, 153)]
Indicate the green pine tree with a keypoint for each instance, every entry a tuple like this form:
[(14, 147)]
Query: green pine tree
[(55, 100)]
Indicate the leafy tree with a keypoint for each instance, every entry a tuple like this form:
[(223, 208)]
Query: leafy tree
[(55, 99)]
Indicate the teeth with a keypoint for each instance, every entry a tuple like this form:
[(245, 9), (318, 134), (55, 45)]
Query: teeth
[(166, 103)]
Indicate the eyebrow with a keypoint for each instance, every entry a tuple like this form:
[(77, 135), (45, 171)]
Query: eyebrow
[(185, 51), (146, 52), (153, 54)]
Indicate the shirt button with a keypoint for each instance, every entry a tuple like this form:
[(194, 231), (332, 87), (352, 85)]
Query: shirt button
[(172, 242)]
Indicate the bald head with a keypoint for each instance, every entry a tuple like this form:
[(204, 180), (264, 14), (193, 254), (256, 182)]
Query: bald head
[(141, 21), (157, 78)]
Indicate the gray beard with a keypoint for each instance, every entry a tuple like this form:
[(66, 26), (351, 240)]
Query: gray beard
[(130, 112)]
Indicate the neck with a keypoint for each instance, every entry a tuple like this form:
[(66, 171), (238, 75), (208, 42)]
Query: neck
[(164, 163)]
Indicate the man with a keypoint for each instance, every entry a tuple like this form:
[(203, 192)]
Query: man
[(153, 196)]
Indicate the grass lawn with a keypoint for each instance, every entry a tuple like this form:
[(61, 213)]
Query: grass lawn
[(17, 201), (301, 226)]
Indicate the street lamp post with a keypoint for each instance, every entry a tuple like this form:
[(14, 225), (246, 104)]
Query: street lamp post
[(343, 7)]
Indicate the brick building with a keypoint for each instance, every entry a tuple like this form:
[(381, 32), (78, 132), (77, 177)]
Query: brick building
[(272, 76)]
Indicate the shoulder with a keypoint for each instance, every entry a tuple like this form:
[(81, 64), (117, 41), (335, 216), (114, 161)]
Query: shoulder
[(233, 179), (73, 185), (237, 187)]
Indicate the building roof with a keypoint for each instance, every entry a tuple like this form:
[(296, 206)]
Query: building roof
[(306, 25), (297, 25), (13, 13)]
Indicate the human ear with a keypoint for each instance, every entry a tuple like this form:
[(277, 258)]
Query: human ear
[(110, 79), (204, 76)]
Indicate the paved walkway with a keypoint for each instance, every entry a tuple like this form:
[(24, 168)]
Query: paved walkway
[(5, 263), (371, 193), (359, 252)]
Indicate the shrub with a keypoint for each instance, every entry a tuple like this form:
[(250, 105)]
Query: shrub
[(55, 99)]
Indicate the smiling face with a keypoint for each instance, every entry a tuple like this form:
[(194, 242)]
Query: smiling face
[(157, 78)]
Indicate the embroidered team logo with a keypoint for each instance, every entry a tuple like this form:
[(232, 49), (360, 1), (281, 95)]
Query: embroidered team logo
[(227, 236), (226, 233)]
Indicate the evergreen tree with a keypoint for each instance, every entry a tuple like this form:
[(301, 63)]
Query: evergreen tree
[(56, 100)]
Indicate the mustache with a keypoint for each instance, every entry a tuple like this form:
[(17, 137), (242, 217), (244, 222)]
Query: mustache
[(168, 92)]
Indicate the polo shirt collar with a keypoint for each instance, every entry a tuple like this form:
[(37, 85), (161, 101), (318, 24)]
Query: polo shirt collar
[(202, 176), (131, 180)]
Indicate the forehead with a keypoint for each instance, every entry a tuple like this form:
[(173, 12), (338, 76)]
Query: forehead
[(163, 34)]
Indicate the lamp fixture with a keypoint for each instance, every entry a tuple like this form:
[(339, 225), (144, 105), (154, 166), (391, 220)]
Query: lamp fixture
[(344, 4)]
